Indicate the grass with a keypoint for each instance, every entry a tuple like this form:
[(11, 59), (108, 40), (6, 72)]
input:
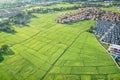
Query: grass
[(61, 5), (48, 50), (113, 9)]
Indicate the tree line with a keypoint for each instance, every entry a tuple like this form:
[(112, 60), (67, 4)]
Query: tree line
[(54, 9), (47, 10)]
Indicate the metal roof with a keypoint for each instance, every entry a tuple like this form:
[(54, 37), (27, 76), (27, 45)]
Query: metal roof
[(115, 46)]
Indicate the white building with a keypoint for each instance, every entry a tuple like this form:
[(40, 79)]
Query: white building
[(114, 49)]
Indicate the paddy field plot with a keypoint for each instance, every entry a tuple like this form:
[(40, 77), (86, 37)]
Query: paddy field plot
[(46, 50)]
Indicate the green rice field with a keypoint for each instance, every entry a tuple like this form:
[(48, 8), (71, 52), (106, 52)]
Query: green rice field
[(46, 50)]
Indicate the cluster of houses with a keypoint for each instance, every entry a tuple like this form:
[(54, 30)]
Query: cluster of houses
[(108, 31), (88, 13)]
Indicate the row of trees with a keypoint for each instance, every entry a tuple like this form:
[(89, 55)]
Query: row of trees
[(95, 5), (47, 10), (87, 0), (18, 3)]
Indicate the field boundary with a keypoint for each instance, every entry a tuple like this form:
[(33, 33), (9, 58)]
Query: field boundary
[(43, 78), (11, 45)]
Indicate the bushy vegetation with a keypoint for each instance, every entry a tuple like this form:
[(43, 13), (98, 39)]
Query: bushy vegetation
[(21, 19), (5, 26), (77, 6), (90, 29), (5, 50), (95, 5), (1, 58)]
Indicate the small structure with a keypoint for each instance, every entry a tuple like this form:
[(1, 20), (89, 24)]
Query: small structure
[(118, 7), (109, 2), (114, 49), (115, 52)]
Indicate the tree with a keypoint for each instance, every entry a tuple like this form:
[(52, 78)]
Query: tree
[(4, 47), (1, 58), (4, 50)]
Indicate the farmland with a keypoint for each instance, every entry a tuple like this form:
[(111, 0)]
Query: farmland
[(48, 50)]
